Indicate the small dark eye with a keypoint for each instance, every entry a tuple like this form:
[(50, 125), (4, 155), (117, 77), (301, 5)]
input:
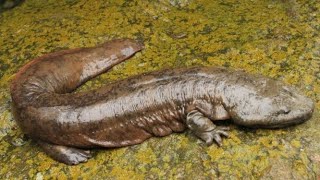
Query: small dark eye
[(284, 110), (286, 91)]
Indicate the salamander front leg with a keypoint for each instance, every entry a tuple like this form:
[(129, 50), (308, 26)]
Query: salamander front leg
[(204, 128), (64, 154)]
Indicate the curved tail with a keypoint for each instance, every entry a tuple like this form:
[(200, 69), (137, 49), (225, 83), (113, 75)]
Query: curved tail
[(62, 72), (47, 81)]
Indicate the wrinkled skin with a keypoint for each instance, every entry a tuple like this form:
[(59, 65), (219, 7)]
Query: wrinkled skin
[(132, 110)]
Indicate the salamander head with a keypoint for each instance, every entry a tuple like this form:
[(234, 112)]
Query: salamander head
[(258, 101)]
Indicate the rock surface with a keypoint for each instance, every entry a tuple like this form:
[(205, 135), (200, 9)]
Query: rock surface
[(279, 39)]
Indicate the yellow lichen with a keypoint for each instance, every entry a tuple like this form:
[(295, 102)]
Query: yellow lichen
[(296, 143), (259, 37), (146, 155)]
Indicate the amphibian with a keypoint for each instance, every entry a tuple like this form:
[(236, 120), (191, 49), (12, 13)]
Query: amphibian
[(129, 111)]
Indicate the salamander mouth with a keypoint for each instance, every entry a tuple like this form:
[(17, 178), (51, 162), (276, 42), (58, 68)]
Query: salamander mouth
[(283, 120), (273, 124), (288, 121)]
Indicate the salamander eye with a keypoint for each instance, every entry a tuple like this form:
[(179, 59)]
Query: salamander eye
[(287, 91), (284, 110)]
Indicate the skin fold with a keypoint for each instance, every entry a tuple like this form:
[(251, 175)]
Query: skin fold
[(129, 111)]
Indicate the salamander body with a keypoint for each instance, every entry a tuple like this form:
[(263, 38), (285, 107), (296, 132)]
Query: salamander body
[(129, 111)]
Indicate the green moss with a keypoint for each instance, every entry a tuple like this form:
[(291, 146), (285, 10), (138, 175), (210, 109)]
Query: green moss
[(279, 39)]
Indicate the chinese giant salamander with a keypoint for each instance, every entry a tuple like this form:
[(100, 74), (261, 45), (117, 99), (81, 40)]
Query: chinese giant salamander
[(132, 110)]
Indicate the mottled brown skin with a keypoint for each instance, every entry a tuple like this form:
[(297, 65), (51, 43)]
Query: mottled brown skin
[(132, 110)]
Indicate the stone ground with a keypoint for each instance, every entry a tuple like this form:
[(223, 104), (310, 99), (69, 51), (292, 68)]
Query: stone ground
[(276, 38)]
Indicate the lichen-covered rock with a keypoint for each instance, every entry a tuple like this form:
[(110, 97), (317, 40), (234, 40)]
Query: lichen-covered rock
[(279, 39)]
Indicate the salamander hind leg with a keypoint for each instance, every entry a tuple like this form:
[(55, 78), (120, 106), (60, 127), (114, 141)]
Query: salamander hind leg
[(204, 128), (64, 154)]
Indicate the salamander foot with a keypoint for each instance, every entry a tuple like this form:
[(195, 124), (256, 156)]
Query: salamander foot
[(214, 135), (204, 128), (64, 154)]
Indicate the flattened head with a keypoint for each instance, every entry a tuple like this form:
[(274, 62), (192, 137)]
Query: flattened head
[(257, 101)]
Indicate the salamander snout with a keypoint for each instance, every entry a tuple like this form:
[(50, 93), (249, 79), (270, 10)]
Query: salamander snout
[(298, 112), (281, 106)]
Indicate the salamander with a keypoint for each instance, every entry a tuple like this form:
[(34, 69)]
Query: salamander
[(129, 111)]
